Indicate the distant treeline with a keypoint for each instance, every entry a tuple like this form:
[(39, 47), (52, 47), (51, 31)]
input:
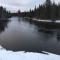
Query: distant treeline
[(7, 14), (4, 13), (48, 10)]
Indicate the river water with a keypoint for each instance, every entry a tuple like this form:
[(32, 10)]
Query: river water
[(19, 34)]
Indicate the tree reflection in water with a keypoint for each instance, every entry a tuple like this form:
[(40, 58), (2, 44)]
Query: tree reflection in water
[(3, 25), (58, 35)]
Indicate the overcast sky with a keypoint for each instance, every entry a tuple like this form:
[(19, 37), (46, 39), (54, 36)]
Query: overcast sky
[(23, 5)]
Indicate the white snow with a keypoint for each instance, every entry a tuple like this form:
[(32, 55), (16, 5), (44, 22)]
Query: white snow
[(39, 20), (21, 55), (57, 21)]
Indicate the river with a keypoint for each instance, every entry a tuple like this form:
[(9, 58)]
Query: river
[(19, 34)]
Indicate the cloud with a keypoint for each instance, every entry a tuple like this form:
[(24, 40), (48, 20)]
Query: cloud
[(23, 5), (16, 4)]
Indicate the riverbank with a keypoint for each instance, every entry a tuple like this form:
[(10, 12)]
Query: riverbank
[(39, 20), (21, 55), (45, 23)]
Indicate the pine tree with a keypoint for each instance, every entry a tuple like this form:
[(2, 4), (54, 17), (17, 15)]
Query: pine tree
[(48, 3), (48, 9)]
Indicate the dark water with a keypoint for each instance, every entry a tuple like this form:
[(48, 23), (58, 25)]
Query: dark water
[(19, 34)]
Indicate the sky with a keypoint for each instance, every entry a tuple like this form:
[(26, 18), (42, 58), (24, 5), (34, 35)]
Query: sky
[(23, 5)]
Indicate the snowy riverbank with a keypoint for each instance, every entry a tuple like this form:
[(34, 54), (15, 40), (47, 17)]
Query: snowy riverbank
[(21, 55), (39, 20)]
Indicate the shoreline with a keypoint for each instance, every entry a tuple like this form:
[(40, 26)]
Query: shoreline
[(45, 24), (42, 20)]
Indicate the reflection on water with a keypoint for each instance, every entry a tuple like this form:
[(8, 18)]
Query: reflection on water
[(23, 35), (3, 25), (58, 35)]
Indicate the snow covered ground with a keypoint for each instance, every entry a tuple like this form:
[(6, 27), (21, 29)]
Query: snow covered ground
[(39, 20), (21, 55)]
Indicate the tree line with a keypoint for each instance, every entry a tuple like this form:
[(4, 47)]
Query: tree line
[(4, 13), (48, 10)]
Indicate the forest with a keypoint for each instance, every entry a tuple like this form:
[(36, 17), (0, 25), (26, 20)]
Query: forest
[(4, 13), (48, 10)]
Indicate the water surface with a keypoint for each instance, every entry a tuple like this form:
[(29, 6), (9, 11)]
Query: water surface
[(19, 34)]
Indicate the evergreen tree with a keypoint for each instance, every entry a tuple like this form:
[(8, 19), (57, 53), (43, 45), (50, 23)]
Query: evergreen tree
[(48, 10)]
